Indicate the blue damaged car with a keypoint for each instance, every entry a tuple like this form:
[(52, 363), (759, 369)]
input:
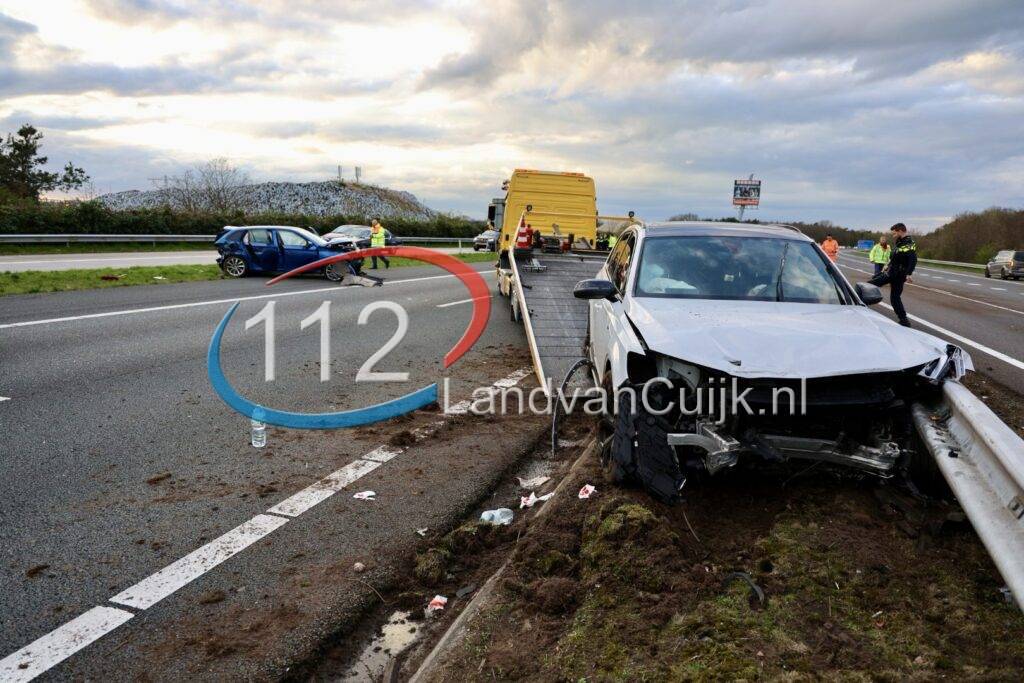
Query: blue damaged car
[(270, 249)]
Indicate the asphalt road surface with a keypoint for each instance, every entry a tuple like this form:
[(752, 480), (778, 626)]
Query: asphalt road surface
[(983, 316), (25, 262), (123, 471)]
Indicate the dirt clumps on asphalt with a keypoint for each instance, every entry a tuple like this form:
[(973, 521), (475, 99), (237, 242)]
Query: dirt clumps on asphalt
[(856, 585)]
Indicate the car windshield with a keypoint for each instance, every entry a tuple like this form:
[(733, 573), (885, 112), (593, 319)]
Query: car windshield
[(726, 267), (1019, 256)]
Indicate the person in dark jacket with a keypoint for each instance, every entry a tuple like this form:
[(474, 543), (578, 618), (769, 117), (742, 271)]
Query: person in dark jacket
[(901, 267)]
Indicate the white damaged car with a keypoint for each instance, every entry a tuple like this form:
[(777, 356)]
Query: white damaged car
[(722, 341)]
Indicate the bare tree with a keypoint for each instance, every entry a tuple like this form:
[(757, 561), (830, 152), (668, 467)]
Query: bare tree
[(213, 186)]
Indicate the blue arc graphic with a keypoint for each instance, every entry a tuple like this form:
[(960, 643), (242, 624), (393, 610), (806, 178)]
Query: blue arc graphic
[(282, 418)]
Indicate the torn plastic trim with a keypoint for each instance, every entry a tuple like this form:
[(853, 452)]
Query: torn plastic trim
[(954, 365), (982, 460)]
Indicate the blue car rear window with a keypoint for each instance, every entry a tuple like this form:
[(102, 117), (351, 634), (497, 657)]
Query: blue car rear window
[(259, 237)]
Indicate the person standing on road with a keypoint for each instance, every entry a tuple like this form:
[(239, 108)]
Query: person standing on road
[(830, 247), (378, 238), (879, 255), (901, 267)]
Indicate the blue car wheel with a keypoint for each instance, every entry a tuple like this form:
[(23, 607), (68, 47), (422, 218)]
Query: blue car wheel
[(235, 266)]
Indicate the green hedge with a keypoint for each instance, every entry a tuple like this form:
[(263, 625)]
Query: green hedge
[(90, 217)]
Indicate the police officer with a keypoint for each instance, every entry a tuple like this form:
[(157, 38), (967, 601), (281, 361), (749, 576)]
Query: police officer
[(378, 239), (901, 266)]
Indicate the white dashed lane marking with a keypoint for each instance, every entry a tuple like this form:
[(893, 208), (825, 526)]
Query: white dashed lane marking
[(59, 644), (156, 587)]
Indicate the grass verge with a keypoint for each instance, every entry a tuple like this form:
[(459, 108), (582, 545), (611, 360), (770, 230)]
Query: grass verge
[(617, 587), (39, 281)]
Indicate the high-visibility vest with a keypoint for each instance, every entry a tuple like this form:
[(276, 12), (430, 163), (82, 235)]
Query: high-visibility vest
[(612, 241), (377, 237), (879, 254)]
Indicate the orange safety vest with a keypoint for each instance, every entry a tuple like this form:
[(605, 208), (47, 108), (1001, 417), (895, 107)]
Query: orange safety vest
[(830, 247)]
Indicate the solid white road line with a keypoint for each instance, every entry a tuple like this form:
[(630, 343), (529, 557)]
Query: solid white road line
[(921, 266), (193, 304), (59, 644), (461, 301), (955, 296), (4, 398), (156, 587), (964, 340)]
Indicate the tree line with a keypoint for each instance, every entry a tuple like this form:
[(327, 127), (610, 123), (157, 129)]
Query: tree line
[(972, 237)]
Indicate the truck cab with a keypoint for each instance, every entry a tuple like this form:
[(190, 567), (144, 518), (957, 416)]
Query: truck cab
[(560, 206)]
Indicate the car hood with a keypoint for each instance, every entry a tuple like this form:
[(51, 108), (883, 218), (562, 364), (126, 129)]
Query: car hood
[(779, 339)]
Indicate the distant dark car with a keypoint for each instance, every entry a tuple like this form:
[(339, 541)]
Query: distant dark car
[(1007, 263), (485, 240), (277, 249), (359, 236)]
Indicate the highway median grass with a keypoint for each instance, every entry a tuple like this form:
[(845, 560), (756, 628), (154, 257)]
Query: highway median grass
[(39, 281)]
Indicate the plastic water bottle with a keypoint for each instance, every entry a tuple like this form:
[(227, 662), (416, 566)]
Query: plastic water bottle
[(259, 430)]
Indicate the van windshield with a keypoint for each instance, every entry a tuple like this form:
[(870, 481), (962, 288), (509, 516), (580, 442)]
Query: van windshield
[(726, 267)]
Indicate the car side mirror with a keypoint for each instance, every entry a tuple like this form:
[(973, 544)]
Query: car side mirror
[(869, 293), (594, 289)]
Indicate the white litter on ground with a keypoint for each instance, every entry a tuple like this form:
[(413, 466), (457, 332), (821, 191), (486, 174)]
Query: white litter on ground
[(436, 605), (587, 491), (365, 495), (534, 483), (528, 501)]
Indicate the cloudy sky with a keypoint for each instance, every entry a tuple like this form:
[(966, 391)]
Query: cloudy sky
[(863, 112)]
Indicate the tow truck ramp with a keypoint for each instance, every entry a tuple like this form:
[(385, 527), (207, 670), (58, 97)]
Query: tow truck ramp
[(555, 321)]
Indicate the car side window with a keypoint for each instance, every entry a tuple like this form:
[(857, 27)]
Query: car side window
[(259, 237), (619, 261), (290, 239)]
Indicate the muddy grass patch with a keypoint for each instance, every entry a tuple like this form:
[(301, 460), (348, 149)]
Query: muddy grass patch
[(618, 588)]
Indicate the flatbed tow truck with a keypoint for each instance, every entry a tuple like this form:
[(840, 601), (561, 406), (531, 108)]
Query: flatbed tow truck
[(548, 234)]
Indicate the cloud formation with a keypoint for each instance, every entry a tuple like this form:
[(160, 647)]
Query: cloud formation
[(859, 111)]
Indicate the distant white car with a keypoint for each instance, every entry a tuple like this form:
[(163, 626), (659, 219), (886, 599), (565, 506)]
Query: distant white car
[(715, 312)]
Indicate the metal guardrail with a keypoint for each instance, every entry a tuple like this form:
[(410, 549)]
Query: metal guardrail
[(982, 459), (153, 239), (945, 263)]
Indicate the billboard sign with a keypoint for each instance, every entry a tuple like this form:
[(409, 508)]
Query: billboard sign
[(746, 192)]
